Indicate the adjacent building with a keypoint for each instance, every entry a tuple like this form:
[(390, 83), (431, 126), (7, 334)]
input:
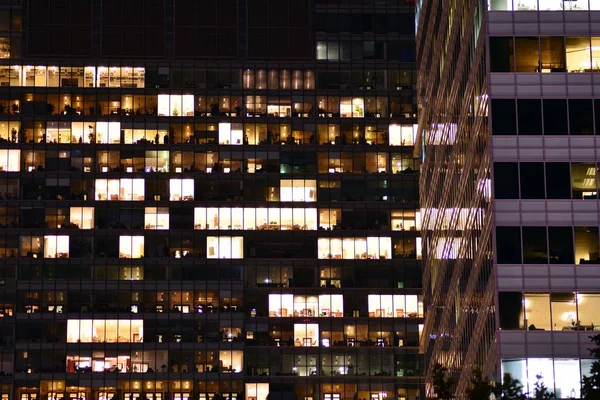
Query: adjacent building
[(509, 108), (209, 200)]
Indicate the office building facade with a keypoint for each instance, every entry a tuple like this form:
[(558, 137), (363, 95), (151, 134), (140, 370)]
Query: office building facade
[(208, 200), (508, 116)]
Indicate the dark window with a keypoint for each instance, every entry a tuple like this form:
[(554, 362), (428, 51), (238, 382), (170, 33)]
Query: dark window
[(508, 245), (501, 54), (532, 181), (558, 181), (560, 245), (504, 117), (530, 116), (581, 117), (555, 117), (510, 309), (597, 112), (506, 180), (535, 250)]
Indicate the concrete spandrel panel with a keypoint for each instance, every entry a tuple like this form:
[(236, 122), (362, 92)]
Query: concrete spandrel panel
[(528, 79), (563, 282), (557, 270), (558, 205), (536, 283), (585, 205), (581, 154), (500, 78), (554, 79), (579, 79), (533, 206), (529, 90), (504, 141), (530, 141), (531, 218), (531, 153), (582, 141), (550, 91), (509, 270), (500, 28), (510, 284), (504, 154), (580, 91), (507, 205), (533, 270), (556, 154), (560, 218), (588, 283), (502, 91)]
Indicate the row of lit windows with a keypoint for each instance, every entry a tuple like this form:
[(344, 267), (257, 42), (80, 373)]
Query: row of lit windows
[(57, 246), (561, 376), (223, 389), (188, 105), (327, 305), (135, 77), (218, 218), (229, 247), (543, 5), (545, 54), (66, 76), (102, 132), (154, 361), (557, 311), (125, 189)]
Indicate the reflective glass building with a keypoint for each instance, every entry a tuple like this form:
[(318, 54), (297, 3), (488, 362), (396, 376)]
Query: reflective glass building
[(208, 200), (509, 110)]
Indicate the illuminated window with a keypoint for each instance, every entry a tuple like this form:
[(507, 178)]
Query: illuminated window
[(355, 248), (120, 189), (58, 132), (288, 305), (10, 160), (394, 306), (256, 391), (306, 335), (157, 161), (105, 331), (30, 246), (231, 133), (404, 220), (176, 105), (402, 135), (561, 376), (82, 217), (225, 247), (225, 218), (352, 107), (231, 361), (106, 132), (56, 246), (181, 189), (156, 218), (298, 190), (131, 246)]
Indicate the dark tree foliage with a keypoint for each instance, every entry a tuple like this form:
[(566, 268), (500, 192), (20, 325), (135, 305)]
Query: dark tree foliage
[(591, 383), (442, 385)]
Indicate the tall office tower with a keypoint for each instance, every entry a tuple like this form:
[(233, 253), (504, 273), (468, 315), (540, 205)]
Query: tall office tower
[(211, 199), (510, 105)]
